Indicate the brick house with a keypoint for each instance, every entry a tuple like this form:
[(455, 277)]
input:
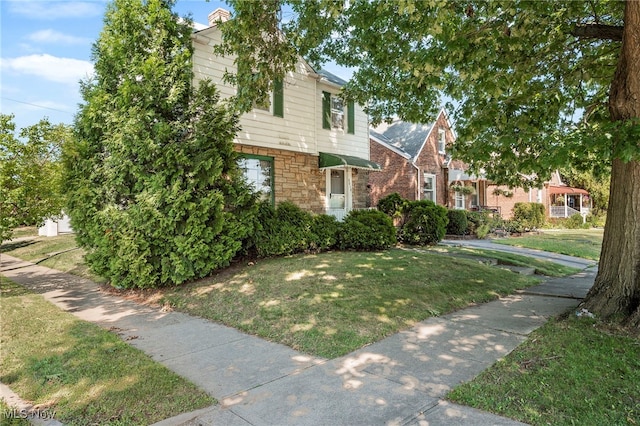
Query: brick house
[(416, 165), (307, 146)]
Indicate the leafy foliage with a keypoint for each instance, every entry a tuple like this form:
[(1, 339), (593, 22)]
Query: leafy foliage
[(391, 204), (324, 232), (458, 223), (425, 223), (155, 193), (531, 215), (367, 230), (283, 230), (30, 173)]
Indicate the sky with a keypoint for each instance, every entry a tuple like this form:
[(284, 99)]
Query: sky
[(45, 50)]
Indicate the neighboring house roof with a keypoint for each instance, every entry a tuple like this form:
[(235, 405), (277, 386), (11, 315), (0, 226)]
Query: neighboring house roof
[(566, 190), (387, 143), (332, 78), (409, 137)]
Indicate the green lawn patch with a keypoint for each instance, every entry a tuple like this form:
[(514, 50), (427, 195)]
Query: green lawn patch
[(585, 243), (333, 303), (572, 371), (542, 267), (84, 373), (61, 253)]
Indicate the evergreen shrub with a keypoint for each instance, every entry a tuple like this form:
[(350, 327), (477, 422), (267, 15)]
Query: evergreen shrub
[(530, 215), (458, 222), (283, 230), (367, 230), (425, 223)]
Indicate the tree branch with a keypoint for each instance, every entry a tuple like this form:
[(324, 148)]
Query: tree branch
[(599, 31)]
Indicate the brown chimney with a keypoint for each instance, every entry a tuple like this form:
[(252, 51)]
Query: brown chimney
[(219, 15)]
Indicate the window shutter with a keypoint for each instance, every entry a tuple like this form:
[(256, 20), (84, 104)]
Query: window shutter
[(326, 110), (351, 121), (278, 98)]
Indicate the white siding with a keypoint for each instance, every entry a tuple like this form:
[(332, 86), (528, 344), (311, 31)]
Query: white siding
[(295, 131)]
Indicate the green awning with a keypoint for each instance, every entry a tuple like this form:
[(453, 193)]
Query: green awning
[(327, 161)]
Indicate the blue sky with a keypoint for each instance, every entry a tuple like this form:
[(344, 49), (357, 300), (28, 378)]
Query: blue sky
[(45, 50)]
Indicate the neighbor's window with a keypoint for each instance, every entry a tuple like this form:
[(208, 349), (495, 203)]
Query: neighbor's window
[(430, 187), (442, 141), (459, 200), (258, 172)]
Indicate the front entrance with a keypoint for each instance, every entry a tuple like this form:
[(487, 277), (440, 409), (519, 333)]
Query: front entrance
[(338, 194)]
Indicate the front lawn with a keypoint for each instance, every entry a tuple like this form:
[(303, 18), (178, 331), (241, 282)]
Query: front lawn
[(83, 373), (330, 304), (571, 371), (585, 243)]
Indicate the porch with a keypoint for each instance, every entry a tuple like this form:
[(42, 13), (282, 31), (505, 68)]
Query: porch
[(565, 201)]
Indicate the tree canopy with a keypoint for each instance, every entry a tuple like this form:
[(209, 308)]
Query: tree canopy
[(155, 193), (534, 86), (30, 173)]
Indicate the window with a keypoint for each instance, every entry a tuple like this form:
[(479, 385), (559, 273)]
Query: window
[(258, 172), (474, 196), (430, 187), (333, 111), (278, 98), (442, 141), (459, 200)]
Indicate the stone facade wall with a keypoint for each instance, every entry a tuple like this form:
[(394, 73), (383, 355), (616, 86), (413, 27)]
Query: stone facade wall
[(361, 194), (296, 177)]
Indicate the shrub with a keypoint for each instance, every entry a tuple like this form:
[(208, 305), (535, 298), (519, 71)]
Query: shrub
[(575, 222), (597, 220), (482, 231), (457, 222), (426, 223), (475, 220), (367, 230), (324, 232), (282, 231), (513, 226), (391, 204), (530, 215)]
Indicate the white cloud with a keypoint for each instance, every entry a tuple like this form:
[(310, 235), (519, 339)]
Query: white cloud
[(52, 68), (50, 10), (56, 37)]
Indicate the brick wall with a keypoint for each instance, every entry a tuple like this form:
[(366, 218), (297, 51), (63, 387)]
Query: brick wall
[(506, 203), (397, 175)]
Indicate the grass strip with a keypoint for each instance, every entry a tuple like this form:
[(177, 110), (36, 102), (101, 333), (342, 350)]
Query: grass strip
[(570, 371), (84, 373), (330, 304), (580, 243), (542, 267)]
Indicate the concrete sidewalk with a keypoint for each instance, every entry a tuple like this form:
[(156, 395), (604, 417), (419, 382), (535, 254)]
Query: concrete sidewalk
[(399, 380)]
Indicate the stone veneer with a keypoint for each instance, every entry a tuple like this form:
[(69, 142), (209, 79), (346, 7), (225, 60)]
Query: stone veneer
[(298, 179)]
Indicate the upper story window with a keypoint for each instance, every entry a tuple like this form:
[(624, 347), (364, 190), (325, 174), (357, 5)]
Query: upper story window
[(442, 141), (333, 113)]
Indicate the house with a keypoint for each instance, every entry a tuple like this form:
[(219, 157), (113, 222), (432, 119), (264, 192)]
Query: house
[(308, 146), (416, 165)]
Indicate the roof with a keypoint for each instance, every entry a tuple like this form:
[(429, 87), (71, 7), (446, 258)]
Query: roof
[(327, 160), (409, 137), (387, 143), (567, 190), (326, 75)]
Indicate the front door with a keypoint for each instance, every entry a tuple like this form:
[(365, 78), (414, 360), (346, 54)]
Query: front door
[(337, 192)]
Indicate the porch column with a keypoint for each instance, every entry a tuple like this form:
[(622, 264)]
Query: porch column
[(566, 205)]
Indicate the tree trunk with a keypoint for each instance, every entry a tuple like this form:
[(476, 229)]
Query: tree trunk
[(616, 291)]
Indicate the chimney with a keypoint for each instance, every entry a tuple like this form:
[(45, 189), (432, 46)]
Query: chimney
[(219, 15)]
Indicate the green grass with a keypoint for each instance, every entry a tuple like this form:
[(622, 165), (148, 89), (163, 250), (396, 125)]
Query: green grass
[(333, 303), (61, 253), (572, 371), (25, 231), (542, 267), (585, 243), (86, 374)]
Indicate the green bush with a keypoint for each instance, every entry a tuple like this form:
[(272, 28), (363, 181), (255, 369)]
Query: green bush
[(324, 232), (530, 215), (476, 220), (367, 230), (391, 204), (282, 231), (575, 222), (597, 221), (425, 223), (513, 226), (458, 223), (482, 231)]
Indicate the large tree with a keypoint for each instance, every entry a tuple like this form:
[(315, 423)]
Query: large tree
[(535, 85), (30, 173), (155, 193)]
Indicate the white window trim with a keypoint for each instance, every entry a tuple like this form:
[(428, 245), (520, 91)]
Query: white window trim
[(337, 111), (442, 141), (432, 190), (459, 197)]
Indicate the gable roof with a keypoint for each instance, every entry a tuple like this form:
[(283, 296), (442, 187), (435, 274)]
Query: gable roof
[(387, 143), (409, 137)]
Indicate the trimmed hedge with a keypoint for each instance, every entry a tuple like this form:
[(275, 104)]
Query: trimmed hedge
[(458, 222), (367, 230), (425, 223), (530, 215)]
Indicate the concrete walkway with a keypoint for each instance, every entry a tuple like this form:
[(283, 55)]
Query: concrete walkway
[(399, 380)]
